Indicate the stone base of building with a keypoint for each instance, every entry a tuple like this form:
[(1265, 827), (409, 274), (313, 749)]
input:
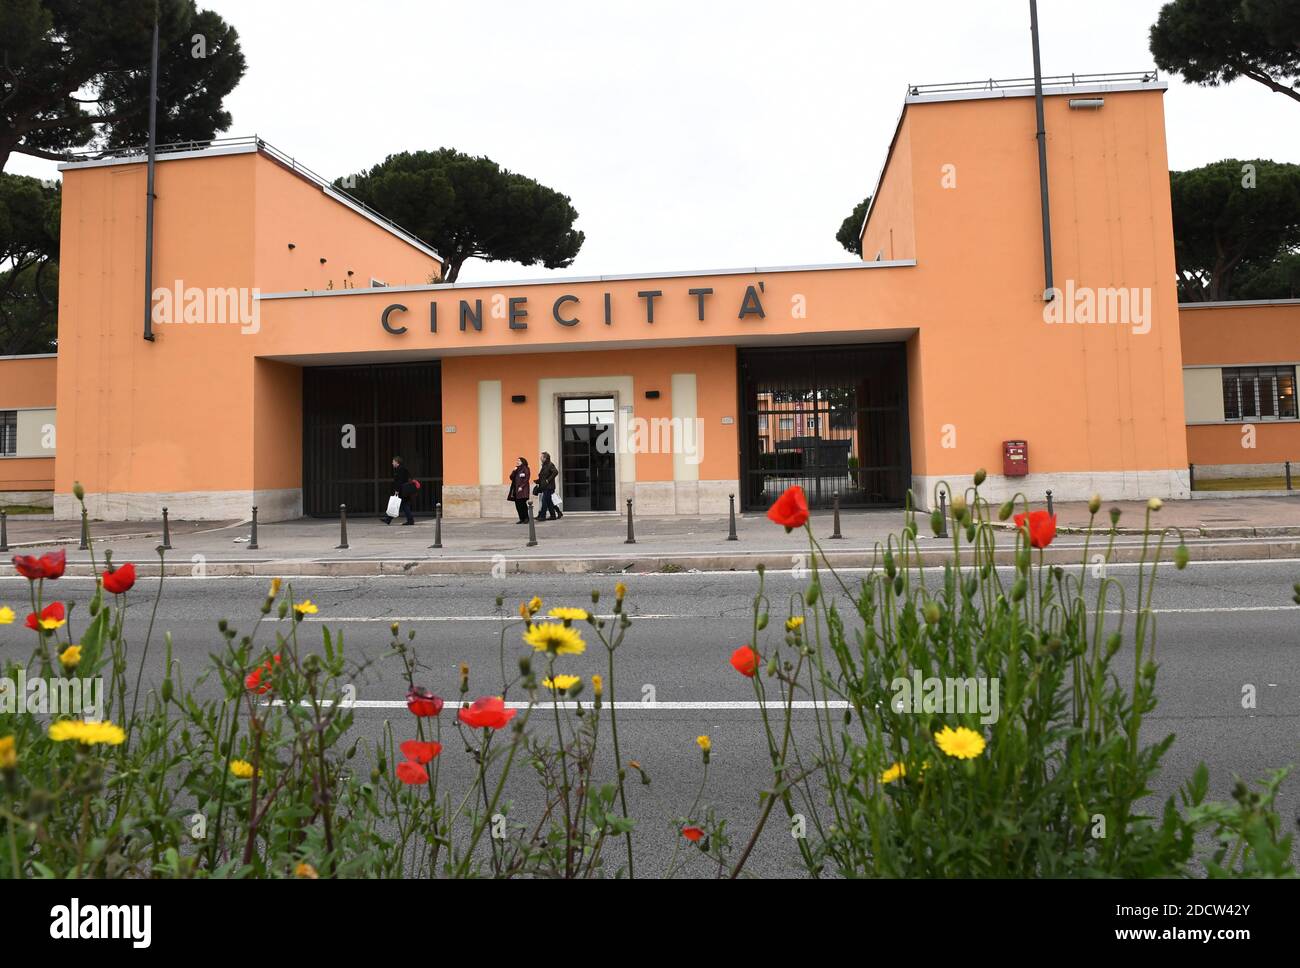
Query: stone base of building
[(650, 498), (30, 499), (283, 504), (1170, 484)]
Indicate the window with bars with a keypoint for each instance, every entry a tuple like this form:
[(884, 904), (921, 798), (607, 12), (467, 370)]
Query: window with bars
[(1259, 393), (8, 433)]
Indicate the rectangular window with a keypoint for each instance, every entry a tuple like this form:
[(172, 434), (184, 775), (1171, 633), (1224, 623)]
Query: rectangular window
[(787, 423), (8, 433), (1259, 393)]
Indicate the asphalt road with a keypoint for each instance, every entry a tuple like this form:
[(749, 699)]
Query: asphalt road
[(1221, 626)]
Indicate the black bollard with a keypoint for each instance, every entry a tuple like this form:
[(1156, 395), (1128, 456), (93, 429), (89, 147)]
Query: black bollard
[(1191, 477), (167, 532), (1050, 509), (85, 532), (532, 528), (631, 535), (731, 534), (836, 533), (1288, 476), (943, 512), (4, 530), (437, 526), (252, 541), (343, 528)]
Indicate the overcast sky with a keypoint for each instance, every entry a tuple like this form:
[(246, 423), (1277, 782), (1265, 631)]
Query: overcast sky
[(703, 134)]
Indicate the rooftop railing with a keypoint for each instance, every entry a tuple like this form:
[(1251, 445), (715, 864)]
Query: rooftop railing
[(1054, 80)]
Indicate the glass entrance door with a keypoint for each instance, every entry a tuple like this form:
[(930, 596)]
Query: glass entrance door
[(587, 454)]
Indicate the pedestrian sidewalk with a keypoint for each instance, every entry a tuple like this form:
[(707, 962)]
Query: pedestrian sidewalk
[(1236, 528)]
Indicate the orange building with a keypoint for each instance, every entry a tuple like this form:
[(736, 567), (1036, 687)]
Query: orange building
[(301, 341)]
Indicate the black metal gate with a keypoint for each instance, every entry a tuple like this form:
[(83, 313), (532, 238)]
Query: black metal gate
[(830, 419), (355, 420)]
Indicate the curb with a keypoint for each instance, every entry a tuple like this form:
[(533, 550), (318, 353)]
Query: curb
[(647, 564)]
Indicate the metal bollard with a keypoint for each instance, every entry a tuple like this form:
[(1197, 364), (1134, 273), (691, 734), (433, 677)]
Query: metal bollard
[(1191, 477), (4, 530), (167, 532), (631, 535), (731, 533), (1049, 503), (85, 532), (836, 533), (252, 541), (1288, 476), (943, 512), (437, 526), (532, 528), (343, 528)]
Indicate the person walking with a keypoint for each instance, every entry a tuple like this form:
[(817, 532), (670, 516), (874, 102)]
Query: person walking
[(520, 478), (546, 488), (404, 487)]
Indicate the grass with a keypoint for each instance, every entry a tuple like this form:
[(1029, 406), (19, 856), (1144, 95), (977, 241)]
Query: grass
[(1277, 483), (25, 509)]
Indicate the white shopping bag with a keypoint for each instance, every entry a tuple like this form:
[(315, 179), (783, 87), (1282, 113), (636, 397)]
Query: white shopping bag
[(394, 506)]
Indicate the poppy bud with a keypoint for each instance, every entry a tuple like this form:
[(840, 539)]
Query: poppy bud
[(1181, 556), (936, 522), (78, 491), (970, 533), (980, 475), (1114, 516), (375, 775), (1094, 504), (959, 507), (1004, 512), (898, 584), (1022, 559), (932, 613), (890, 568), (595, 596), (1155, 504), (848, 717), (814, 591), (771, 666), (1112, 644), (167, 690), (972, 586), (762, 621), (1018, 589), (501, 600)]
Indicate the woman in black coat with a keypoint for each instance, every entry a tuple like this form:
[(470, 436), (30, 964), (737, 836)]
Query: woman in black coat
[(520, 478), (404, 488)]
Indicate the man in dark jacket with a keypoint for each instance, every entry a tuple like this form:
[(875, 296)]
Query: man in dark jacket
[(404, 488), (546, 488)]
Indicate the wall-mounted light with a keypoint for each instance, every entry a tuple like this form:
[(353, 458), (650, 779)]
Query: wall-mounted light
[(292, 247), (349, 272), (652, 394), (1086, 103), (322, 260), (518, 398)]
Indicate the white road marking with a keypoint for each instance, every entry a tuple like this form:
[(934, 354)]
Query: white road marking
[(387, 620), (714, 705)]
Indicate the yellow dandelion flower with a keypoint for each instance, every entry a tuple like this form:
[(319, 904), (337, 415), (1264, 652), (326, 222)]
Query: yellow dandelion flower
[(598, 685), (619, 591), (274, 591), (87, 733), (562, 683), (894, 773), (306, 608), (6, 615), (534, 605), (704, 743), (569, 614), (963, 743), (242, 769), (523, 611), (793, 623), (70, 657), (305, 870), (50, 624), (8, 753), (555, 638)]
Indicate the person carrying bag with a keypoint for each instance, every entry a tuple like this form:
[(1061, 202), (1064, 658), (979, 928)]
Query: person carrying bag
[(404, 489), (546, 488)]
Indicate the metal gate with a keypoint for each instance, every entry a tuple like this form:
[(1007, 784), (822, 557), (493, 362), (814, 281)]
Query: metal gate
[(830, 419), (355, 420)]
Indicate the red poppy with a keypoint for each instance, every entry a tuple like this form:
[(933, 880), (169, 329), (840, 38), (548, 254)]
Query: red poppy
[(791, 509), (745, 661), (421, 753), (49, 565), (486, 712), (52, 611), (412, 773), (1042, 527), (422, 702), (119, 580), (259, 680), (693, 834)]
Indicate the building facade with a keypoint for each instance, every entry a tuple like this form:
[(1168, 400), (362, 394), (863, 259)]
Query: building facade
[(300, 342)]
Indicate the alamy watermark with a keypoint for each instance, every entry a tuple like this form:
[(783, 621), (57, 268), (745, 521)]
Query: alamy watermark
[(1086, 305), (211, 306), (949, 695), (53, 696)]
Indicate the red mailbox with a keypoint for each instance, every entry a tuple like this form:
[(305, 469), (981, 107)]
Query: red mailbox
[(1015, 458)]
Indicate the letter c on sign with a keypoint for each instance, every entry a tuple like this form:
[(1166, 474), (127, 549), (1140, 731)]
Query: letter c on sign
[(555, 311), (388, 327)]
